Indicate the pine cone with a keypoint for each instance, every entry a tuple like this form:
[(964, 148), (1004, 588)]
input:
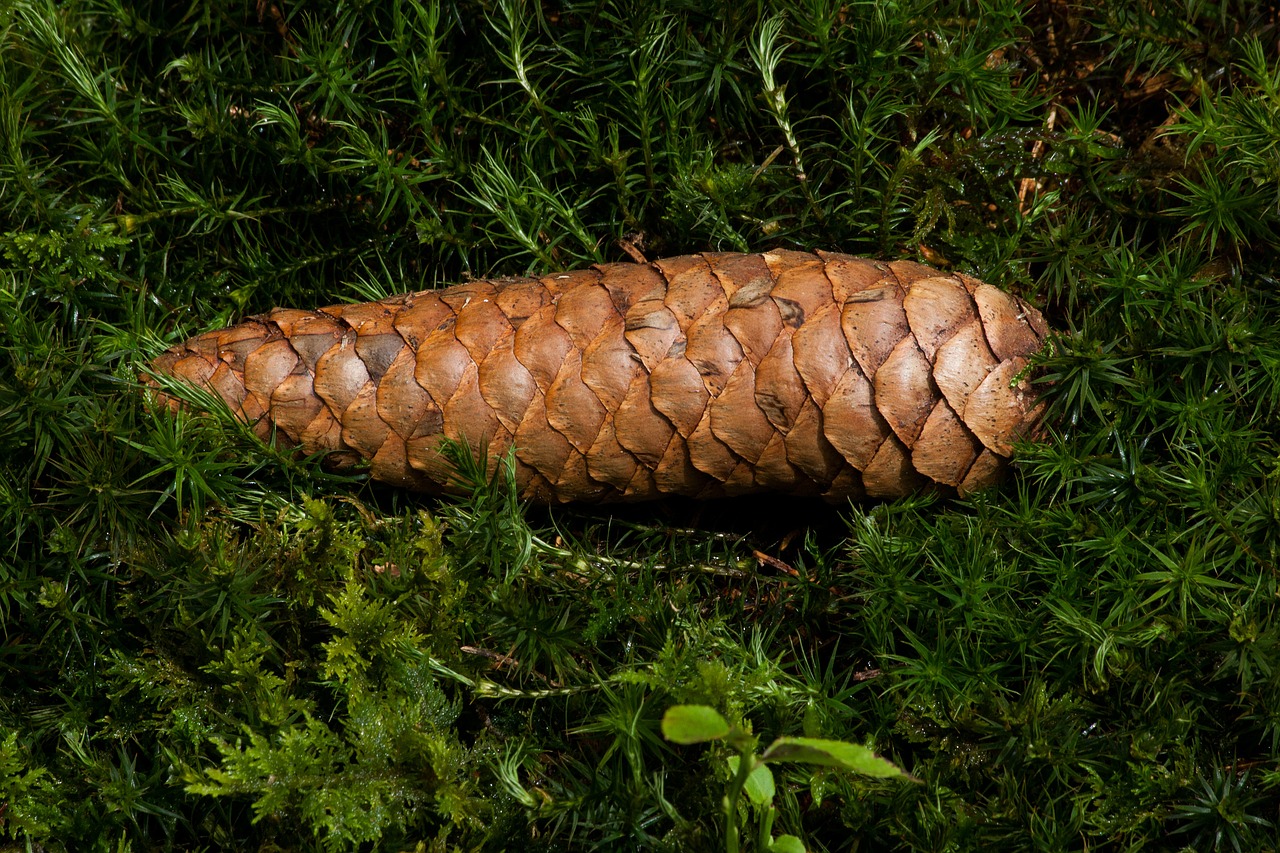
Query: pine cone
[(703, 375)]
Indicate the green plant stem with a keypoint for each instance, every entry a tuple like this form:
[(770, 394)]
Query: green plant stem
[(765, 835), (747, 762)]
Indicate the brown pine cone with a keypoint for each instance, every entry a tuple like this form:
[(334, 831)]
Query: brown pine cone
[(703, 375)]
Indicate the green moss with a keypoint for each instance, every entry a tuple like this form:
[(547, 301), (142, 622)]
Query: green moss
[(210, 644)]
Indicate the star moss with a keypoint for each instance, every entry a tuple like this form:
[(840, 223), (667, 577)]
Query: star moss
[(210, 644)]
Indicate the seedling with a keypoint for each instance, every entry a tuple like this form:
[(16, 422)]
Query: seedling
[(689, 724)]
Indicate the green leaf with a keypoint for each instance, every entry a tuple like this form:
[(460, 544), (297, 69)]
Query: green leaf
[(759, 786), (787, 844), (693, 724), (832, 753)]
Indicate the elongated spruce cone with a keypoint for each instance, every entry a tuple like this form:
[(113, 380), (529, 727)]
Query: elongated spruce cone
[(705, 375)]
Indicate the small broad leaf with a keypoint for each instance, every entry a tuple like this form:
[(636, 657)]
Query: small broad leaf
[(693, 724), (759, 787), (832, 753), (787, 844)]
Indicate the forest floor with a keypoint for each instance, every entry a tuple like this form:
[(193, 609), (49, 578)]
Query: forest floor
[(209, 644)]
